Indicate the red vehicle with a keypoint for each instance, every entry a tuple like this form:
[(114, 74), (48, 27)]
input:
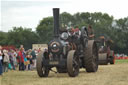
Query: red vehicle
[(118, 58), (9, 47)]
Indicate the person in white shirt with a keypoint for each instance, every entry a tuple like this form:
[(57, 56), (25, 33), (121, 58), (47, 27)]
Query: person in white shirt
[(1, 60), (6, 61)]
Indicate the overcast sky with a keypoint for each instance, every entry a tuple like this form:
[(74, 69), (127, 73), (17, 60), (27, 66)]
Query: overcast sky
[(28, 13)]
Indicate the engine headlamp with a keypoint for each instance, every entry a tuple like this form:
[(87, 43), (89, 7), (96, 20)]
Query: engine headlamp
[(64, 35)]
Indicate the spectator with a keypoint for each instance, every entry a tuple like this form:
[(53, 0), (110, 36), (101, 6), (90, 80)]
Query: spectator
[(1, 60), (15, 58), (24, 57), (39, 50), (12, 59), (5, 61), (21, 60), (21, 46), (29, 57), (33, 58)]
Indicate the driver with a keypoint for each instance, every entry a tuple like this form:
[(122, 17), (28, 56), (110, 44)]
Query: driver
[(75, 31), (90, 32)]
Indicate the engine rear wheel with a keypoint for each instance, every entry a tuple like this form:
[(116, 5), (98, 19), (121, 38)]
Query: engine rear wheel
[(42, 71), (72, 64), (91, 57)]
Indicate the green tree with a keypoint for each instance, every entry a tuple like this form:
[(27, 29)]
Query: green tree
[(102, 23), (3, 38), (45, 29), (24, 36), (65, 19)]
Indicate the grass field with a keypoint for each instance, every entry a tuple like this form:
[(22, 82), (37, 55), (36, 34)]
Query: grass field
[(107, 75), (122, 61)]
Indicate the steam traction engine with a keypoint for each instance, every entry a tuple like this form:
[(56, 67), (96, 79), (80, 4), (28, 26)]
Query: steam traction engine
[(68, 52), (106, 55)]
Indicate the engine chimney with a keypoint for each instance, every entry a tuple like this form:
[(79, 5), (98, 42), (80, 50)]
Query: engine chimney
[(56, 21)]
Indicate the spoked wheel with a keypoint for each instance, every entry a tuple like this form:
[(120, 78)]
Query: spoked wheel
[(72, 64), (42, 71), (91, 57)]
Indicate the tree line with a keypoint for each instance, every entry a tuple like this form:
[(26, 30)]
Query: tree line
[(102, 23)]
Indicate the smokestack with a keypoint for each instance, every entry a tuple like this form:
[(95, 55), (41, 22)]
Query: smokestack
[(56, 21)]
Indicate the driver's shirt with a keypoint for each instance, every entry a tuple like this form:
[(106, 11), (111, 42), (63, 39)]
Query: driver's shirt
[(90, 32)]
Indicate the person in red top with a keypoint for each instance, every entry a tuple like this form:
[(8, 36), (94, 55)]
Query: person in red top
[(21, 59), (76, 31), (39, 50)]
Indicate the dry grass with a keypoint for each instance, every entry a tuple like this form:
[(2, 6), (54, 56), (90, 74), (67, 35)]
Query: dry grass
[(106, 75)]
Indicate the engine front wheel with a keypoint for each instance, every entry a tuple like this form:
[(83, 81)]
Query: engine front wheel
[(72, 64), (91, 57), (42, 71)]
